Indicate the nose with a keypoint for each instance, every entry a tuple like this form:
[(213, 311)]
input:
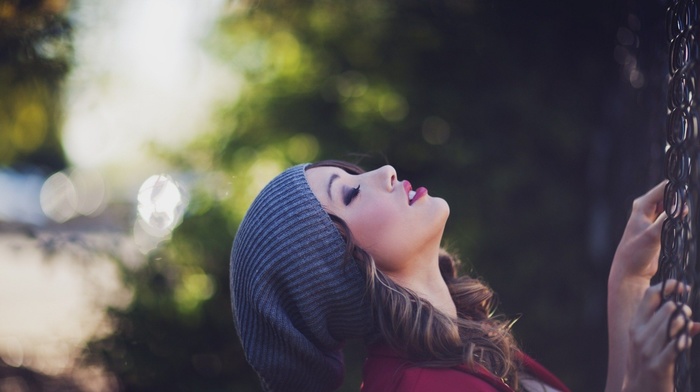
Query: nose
[(385, 176)]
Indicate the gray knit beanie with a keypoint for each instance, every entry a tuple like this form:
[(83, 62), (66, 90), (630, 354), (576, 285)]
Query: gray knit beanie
[(295, 300)]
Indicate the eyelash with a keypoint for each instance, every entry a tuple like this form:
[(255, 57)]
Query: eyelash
[(351, 195)]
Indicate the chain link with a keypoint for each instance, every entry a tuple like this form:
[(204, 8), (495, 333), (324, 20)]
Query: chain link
[(679, 237)]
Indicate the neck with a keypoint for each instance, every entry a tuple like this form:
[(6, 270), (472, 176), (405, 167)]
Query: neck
[(427, 282), (437, 293)]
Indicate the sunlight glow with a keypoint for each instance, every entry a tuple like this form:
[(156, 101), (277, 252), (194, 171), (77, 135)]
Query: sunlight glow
[(141, 76)]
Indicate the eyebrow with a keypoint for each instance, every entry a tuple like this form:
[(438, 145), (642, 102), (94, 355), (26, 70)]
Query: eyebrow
[(330, 183)]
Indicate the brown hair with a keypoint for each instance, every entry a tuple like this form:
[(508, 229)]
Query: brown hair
[(410, 324)]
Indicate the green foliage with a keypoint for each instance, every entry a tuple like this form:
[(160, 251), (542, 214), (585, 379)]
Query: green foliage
[(35, 54), (178, 333)]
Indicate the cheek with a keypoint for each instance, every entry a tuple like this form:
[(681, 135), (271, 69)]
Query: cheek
[(370, 224), (378, 231)]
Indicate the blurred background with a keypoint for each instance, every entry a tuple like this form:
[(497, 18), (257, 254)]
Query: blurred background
[(135, 133)]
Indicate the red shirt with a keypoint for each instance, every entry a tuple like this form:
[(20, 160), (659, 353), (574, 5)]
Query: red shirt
[(387, 371)]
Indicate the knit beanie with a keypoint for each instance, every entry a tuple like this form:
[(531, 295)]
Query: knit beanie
[(295, 299)]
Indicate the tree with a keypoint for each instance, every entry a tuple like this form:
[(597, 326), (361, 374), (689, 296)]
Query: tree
[(35, 54)]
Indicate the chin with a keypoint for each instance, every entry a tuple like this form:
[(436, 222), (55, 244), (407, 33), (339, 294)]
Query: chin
[(445, 205), (442, 207)]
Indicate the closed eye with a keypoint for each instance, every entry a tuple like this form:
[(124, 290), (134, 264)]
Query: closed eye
[(350, 195)]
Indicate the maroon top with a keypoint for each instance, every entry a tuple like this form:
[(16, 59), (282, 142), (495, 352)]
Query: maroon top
[(385, 370)]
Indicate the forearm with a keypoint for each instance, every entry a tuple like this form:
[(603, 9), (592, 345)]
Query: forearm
[(624, 296), (634, 263)]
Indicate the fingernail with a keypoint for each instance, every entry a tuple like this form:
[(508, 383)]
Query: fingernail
[(687, 310), (684, 342)]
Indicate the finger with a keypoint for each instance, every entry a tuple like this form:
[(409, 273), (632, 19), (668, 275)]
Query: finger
[(694, 328), (667, 356), (674, 286), (660, 219), (656, 330), (670, 323), (651, 301), (683, 342), (680, 322), (658, 224), (651, 202), (652, 298), (654, 341)]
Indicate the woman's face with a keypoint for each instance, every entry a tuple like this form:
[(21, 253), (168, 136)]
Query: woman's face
[(394, 223)]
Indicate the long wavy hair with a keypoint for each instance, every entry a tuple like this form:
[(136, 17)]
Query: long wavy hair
[(428, 337)]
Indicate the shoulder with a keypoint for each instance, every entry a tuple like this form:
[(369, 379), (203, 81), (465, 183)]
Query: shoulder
[(385, 371), (540, 373)]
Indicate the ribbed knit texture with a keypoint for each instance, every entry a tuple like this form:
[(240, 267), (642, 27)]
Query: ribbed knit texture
[(295, 300)]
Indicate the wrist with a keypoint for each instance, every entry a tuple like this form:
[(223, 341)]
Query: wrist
[(624, 295), (620, 279)]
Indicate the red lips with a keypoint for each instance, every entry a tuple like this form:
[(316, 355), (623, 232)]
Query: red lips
[(418, 193), (407, 187)]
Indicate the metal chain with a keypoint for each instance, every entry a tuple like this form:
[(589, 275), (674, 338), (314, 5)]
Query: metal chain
[(679, 237)]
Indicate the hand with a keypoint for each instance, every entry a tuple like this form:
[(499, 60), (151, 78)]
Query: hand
[(635, 262), (637, 255), (651, 360)]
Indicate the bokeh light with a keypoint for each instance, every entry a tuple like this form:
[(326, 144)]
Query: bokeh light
[(625, 52), (393, 106), (196, 286), (161, 203), (302, 148), (67, 195), (351, 84), (58, 198), (435, 130)]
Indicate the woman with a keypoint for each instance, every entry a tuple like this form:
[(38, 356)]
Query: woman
[(328, 253)]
